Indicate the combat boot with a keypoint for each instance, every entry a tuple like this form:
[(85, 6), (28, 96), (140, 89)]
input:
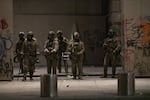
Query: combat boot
[(80, 78), (104, 76), (74, 77), (31, 75), (113, 76), (24, 79), (31, 78)]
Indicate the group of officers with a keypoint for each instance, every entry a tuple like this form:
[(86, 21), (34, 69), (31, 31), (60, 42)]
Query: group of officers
[(57, 49)]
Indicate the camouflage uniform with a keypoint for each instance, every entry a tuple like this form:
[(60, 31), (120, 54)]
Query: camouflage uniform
[(62, 41), (76, 47), (112, 49), (50, 49), (19, 45), (30, 52)]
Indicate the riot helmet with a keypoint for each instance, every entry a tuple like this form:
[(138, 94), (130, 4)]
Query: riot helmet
[(51, 35), (59, 34), (29, 35), (110, 33), (76, 37), (21, 35)]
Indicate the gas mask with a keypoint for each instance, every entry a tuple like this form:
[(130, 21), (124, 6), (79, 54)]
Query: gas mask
[(51, 35), (21, 36), (76, 37)]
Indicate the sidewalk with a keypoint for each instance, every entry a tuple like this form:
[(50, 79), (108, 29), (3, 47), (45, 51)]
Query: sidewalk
[(90, 88)]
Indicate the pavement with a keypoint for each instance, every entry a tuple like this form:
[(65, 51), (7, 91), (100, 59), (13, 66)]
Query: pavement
[(92, 87)]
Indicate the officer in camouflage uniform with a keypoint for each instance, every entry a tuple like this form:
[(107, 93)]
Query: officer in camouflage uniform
[(19, 45), (62, 41), (30, 52), (76, 47), (51, 50), (112, 49)]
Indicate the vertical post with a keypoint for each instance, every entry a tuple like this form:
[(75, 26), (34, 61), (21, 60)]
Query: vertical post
[(53, 85), (131, 84), (126, 84), (49, 85), (122, 84), (45, 87)]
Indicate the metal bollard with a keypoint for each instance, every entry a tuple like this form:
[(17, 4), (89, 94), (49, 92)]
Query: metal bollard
[(53, 85), (45, 87), (131, 84), (126, 84)]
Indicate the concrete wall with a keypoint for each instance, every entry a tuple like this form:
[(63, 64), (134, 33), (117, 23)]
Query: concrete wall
[(6, 12), (44, 15), (136, 18), (6, 38)]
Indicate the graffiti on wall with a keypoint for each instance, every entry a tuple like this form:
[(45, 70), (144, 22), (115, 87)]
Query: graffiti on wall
[(137, 47), (6, 66), (3, 24)]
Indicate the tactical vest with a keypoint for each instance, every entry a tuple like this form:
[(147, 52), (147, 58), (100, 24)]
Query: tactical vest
[(50, 45), (111, 44), (19, 46), (62, 45), (76, 47), (30, 48)]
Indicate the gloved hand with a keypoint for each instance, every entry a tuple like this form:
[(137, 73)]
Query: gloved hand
[(79, 53), (37, 60)]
